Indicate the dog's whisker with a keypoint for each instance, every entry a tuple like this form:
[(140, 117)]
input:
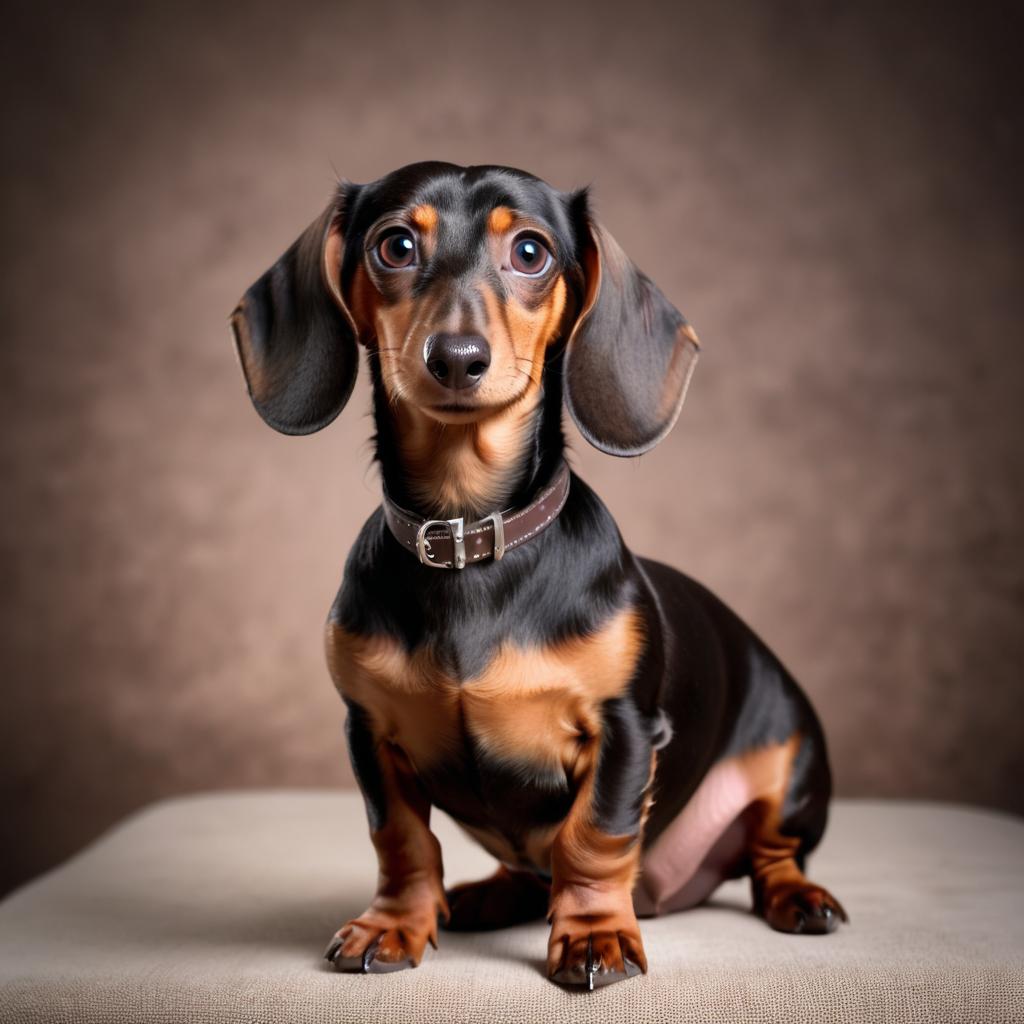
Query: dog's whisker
[(529, 376)]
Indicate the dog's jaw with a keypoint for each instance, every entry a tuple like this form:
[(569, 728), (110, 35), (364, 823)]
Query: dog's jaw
[(467, 469)]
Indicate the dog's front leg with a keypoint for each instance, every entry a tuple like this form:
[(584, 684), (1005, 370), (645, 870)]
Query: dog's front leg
[(392, 933), (595, 938)]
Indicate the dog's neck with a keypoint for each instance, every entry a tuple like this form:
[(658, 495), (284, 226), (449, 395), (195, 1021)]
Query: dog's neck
[(445, 471)]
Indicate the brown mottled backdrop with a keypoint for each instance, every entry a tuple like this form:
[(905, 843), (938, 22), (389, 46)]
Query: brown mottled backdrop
[(831, 192)]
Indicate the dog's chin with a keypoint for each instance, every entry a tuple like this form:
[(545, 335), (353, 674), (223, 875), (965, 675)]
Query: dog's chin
[(463, 411), (455, 413), (458, 413)]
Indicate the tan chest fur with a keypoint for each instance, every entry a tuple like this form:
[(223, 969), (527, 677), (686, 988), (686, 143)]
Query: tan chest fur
[(534, 709)]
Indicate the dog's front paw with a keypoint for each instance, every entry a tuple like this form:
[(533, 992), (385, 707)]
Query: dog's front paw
[(378, 944), (588, 953)]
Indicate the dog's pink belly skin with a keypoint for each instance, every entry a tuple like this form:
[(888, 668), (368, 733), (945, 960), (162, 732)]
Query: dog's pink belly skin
[(700, 848)]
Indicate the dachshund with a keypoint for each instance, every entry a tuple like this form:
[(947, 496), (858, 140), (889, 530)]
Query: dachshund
[(616, 737)]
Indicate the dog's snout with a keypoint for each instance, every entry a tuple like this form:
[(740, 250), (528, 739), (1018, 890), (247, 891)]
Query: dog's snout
[(457, 360)]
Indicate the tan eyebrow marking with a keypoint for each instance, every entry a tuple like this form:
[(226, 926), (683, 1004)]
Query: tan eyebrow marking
[(500, 220), (424, 217)]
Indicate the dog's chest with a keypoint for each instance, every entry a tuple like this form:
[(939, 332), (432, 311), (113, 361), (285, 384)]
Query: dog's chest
[(505, 749)]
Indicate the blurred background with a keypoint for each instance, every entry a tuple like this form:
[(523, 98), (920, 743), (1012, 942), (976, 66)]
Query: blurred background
[(829, 191)]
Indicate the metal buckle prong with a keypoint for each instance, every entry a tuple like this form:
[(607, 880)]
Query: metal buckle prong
[(456, 526), (499, 535)]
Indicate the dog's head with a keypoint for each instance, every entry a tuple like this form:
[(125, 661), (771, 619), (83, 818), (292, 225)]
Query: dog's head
[(465, 282)]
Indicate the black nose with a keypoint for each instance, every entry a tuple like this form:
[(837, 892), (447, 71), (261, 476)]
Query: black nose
[(457, 360)]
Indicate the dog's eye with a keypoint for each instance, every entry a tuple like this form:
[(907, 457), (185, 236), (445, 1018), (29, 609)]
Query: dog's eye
[(530, 257), (397, 250)]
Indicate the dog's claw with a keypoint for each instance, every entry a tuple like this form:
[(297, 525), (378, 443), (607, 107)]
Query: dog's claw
[(332, 949), (366, 962), (360, 963)]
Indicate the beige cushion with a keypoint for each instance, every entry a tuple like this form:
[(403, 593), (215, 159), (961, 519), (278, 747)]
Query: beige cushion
[(216, 908)]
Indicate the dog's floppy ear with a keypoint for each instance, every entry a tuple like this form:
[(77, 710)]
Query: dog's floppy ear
[(294, 334), (631, 352)]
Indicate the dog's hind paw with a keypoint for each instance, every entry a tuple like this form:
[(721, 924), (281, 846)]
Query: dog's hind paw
[(504, 899), (804, 910)]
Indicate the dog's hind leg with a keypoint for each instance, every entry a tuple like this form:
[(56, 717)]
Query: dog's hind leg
[(784, 825), (758, 813)]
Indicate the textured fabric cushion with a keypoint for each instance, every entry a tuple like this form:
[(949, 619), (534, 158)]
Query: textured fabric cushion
[(216, 909)]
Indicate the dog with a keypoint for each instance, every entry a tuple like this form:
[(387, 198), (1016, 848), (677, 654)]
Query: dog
[(612, 733)]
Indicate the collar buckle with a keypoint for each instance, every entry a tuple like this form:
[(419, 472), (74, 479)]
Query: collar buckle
[(499, 534), (457, 528), (447, 548)]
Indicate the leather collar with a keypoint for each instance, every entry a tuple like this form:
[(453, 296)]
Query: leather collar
[(452, 544)]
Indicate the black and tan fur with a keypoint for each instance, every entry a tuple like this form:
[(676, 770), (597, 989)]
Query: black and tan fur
[(568, 703)]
